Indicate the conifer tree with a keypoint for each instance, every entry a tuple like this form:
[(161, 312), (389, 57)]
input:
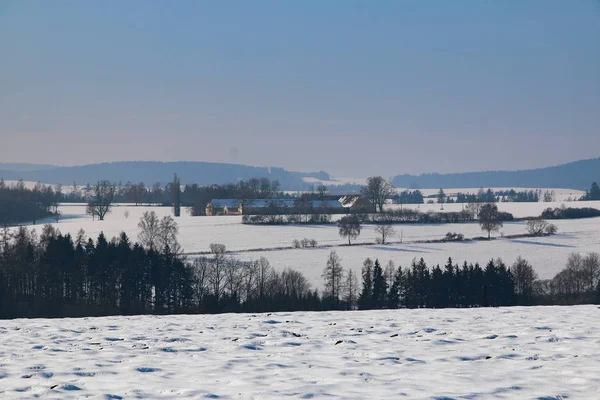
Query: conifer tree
[(379, 286)]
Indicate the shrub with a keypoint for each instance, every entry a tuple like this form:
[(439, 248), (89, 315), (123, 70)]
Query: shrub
[(537, 226), (551, 229), (454, 237), (296, 244)]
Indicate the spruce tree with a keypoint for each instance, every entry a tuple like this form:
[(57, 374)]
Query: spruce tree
[(394, 295), (379, 287)]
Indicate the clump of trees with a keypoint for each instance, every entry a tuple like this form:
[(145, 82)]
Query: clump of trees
[(592, 194), (454, 237), (577, 283), (19, 204), (409, 197), (570, 213), (304, 243)]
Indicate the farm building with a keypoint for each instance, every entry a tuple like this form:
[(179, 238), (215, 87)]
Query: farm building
[(328, 205)]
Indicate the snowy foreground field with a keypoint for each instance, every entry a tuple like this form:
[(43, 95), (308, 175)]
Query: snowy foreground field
[(547, 254), (502, 353)]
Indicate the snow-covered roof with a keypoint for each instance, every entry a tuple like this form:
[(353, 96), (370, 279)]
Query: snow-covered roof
[(349, 200)]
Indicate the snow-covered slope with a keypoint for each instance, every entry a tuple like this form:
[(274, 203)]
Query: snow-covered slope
[(503, 353)]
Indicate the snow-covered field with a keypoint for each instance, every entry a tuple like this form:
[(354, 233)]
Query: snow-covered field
[(501, 353), (547, 254)]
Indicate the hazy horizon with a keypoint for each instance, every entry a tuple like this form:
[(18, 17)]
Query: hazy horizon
[(303, 171), (351, 88)]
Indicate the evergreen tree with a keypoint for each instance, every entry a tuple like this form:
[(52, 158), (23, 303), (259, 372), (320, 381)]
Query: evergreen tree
[(395, 292), (379, 287)]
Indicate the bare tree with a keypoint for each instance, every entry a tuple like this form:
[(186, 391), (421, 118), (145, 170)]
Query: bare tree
[(549, 196), (264, 276), (590, 265), (321, 192), (384, 232), (149, 227), (216, 276), (349, 227), (489, 218), (201, 269), (101, 199), (537, 226), (169, 230), (378, 190), (524, 276), (332, 274)]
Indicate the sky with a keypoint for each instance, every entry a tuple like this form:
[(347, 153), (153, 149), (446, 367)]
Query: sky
[(355, 88)]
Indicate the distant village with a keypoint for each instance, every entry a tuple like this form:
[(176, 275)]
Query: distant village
[(329, 204)]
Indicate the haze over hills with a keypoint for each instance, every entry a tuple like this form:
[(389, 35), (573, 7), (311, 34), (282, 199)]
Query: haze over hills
[(575, 175), (149, 172)]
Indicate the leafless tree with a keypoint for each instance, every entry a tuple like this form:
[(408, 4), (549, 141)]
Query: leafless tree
[(101, 199), (524, 276), (264, 276), (291, 283), (168, 234), (201, 277), (489, 218), (322, 192), (332, 274), (216, 276), (590, 265), (378, 190), (549, 196), (537, 226), (234, 276), (349, 227), (149, 234), (384, 232)]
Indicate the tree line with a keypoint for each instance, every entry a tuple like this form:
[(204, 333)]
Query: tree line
[(56, 275), (454, 285), (592, 194), (20, 204)]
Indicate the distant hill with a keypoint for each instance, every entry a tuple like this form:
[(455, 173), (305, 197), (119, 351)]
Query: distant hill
[(575, 175), (24, 167), (149, 172)]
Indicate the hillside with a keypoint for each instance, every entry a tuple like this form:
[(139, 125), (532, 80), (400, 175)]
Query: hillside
[(575, 175), (149, 172), (483, 353)]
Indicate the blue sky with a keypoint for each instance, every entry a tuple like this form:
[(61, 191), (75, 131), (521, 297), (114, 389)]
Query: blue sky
[(355, 88)]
